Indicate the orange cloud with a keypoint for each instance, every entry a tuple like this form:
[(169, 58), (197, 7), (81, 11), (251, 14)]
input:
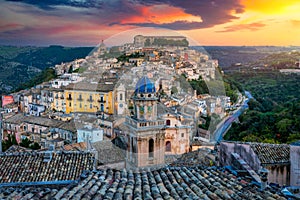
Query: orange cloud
[(238, 27), (160, 14), (10, 26), (295, 23)]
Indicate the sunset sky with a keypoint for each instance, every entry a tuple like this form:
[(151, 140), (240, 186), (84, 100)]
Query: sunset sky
[(87, 22)]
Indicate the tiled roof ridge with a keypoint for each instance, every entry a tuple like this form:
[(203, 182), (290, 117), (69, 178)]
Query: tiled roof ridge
[(272, 153), (255, 143), (34, 152)]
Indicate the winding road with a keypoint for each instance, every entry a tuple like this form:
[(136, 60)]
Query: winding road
[(221, 130)]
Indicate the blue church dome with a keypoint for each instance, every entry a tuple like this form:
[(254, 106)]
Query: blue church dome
[(144, 85)]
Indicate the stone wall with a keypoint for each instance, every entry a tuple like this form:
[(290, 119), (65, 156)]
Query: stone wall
[(295, 165), (244, 150), (279, 174)]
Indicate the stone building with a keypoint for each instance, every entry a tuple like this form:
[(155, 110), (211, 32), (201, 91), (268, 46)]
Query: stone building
[(141, 41), (295, 163), (120, 100), (177, 134), (146, 132), (273, 157)]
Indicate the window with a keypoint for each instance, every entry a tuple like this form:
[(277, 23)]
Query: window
[(121, 97), (83, 134), (101, 107), (24, 128), (168, 122), (70, 96), (70, 104), (91, 98), (101, 99), (182, 134), (151, 148), (168, 146), (32, 129), (91, 106), (80, 105)]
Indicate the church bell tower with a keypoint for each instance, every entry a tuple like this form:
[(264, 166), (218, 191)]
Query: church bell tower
[(146, 132)]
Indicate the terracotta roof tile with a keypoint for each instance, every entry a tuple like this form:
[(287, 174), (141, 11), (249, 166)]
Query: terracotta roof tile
[(31, 167), (272, 153), (166, 183)]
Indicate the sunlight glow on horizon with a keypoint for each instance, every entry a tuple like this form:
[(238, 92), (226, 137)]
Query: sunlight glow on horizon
[(263, 22)]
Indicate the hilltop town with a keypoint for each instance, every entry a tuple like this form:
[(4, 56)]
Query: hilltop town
[(131, 126)]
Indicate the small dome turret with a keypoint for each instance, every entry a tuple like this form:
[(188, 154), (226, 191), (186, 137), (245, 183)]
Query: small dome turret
[(144, 85)]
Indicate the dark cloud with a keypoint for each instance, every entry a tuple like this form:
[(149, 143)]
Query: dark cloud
[(252, 27), (112, 12), (48, 4)]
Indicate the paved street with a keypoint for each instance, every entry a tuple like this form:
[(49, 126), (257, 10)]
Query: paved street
[(226, 123)]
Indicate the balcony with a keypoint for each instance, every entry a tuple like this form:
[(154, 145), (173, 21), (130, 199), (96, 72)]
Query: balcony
[(69, 98), (101, 101), (144, 124), (90, 100), (80, 99)]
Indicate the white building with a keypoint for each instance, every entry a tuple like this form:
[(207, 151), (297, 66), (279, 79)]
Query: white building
[(35, 109), (65, 80), (89, 133)]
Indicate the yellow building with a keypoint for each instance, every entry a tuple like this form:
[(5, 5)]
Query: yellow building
[(59, 102), (90, 97)]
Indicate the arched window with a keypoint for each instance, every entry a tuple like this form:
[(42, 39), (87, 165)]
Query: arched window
[(151, 148), (168, 146), (168, 122)]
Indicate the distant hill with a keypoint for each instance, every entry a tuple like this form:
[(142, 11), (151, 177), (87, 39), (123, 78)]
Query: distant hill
[(20, 64), (228, 56)]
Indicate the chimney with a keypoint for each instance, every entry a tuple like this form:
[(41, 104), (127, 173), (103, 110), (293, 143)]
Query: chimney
[(263, 173), (48, 154)]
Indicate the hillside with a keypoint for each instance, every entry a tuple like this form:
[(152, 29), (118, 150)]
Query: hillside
[(274, 115), (20, 64), (231, 56)]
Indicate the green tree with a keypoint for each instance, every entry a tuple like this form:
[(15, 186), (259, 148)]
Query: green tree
[(70, 69), (174, 90), (34, 146), (11, 140), (25, 142)]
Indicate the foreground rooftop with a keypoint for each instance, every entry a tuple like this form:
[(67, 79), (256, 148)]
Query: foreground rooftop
[(47, 167), (166, 183)]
